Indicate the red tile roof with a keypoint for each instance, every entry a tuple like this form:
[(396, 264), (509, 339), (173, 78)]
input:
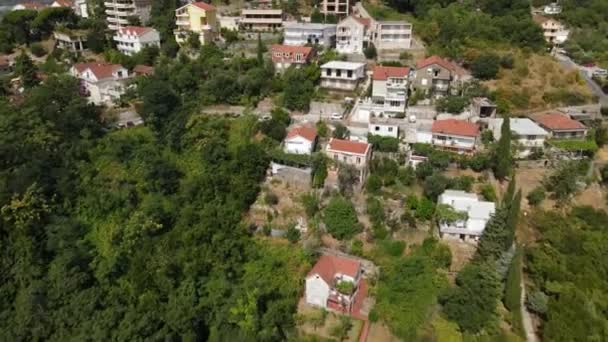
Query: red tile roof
[(382, 73), (204, 6), (348, 146), (455, 127), (558, 122), (32, 6), (435, 60), (141, 69), (365, 21), (305, 132), (135, 30), (287, 53), (328, 266), (100, 70), (64, 3)]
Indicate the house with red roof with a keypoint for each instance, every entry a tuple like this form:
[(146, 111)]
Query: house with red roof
[(300, 140), (353, 153), (132, 39), (389, 88), (284, 56), (33, 6), (456, 135), (101, 83), (353, 34), (561, 126), (333, 283), (438, 76), (198, 18)]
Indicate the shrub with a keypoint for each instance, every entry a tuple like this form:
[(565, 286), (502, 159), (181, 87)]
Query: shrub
[(604, 111), (393, 248), (293, 235), (488, 193), (356, 247), (383, 144), (311, 204), (341, 219), (370, 52), (406, 175), (507, 61), (435, 185), (425, 209), (37, 49), (271, 198), (485, 66), (374, 184), (537, 302), (536, 196), (452, 104)]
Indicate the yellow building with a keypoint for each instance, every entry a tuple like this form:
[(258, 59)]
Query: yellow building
[(199, 18)]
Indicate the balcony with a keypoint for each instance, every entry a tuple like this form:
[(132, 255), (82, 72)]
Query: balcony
[(454, 144), (117, 5)]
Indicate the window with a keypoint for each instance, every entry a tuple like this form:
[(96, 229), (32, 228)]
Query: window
[(338, 72), (349, 73), (119, 74), (335, 157), (377, 128), (390, 129), (328, 72), (344, 159), (358, 160)]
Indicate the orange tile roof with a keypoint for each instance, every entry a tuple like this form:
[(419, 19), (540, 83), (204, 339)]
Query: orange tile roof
[(365, 21), (455, 127), (204, 6), (558, 122), (291, 52), (348, 146), (328, 266), (305, 132), (382, 73), (32, 6), (141, 69), (435, 60), (64, 3), (100, 70), (136, 30)]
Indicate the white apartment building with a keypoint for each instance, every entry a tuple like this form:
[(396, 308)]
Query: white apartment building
[(261, 19), (389, 89), (102, 83), (342, 75), (478, 214), (555, 33), (526, 133), (339, 8), (132, 39), (353, 35), (118, 12), (309, 34), (393, 35)]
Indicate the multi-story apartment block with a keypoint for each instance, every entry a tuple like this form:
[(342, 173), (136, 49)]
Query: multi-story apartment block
[(389, 88), (196, 18), (438, 76), (456, 135), (102, 83), (353, 35), (555, 33), (309, 34), (338, 8), (342, 75), (284, 56), (132, 39), (261, 19), (119, 13), (392, 35), (524, 132)]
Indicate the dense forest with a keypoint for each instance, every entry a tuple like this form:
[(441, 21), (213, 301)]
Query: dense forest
[(117, 236)]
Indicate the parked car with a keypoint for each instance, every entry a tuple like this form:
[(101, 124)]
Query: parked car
[(600, 72), (336, 116)]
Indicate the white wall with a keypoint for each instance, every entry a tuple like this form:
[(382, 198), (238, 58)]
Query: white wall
[(384, 130), (317, 291), (298, 145)]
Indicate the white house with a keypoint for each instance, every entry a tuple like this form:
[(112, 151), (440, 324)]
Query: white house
[(392, 35), (300, 140), (526, 133), (261, 19), (28, 6), (120, 12), (353, 35), (101, 83), (456, 135), (552, 8), (323, 279), (309, 34), (385, 127), (342, 75), (477, 215), (132, 39), (389, 88), (555, 33), (353, 153), (284, 56)]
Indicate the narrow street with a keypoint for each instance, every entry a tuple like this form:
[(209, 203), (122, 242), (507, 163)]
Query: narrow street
[(596, 89), (525, 316)]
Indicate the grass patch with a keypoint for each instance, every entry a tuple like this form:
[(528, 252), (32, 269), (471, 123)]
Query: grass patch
[(574, 145)]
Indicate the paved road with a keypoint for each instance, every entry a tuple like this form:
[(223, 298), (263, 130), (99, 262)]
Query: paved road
[(525, 316), (596, 89)]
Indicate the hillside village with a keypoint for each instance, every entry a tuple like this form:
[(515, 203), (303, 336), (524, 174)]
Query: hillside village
[(303, 171)]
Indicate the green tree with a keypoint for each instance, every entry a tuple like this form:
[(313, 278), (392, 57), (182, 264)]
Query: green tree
[(486, 66), (340, 131), (26, 70), (503, 161), (341, 219), (261, 48), (348, 176)]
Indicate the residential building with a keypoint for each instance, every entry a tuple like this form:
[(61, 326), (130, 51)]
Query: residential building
[(323, 287), (392, 35), (143, 70), (5, 65), (229, 23), (132, 39), (526, 133), (555, 33), (478, 213), (482, 107), (62, 3), (338, 8), (353, 34), (284, 56), (196, 18), (300, 140), (389, 88), (437, 76), (385, 127), (552, 9), (261, 19), (561, 126), (81, 8), (34, 6), (342, 75), (71, 40), (353, 153), (119, 13), (457, 135), (102, 83), (309, 34)]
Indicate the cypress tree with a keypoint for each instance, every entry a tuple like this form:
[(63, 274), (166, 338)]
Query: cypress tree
[(261, 49), (503, 162)]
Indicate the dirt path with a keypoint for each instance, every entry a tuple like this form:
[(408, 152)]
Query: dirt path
[(525, 316)]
